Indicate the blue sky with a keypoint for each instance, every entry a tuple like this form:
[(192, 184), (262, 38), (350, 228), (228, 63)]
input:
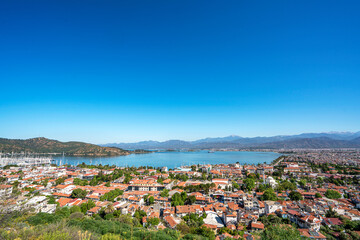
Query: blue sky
[(123, 71)]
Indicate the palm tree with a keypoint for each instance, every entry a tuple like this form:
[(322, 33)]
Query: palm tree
[(109, 208)]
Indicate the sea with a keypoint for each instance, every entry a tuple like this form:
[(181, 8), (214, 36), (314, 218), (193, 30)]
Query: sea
[(174, 160)]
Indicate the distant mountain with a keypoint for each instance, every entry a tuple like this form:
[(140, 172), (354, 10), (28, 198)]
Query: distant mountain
[(44, 145), (218, 139), (304, 140)]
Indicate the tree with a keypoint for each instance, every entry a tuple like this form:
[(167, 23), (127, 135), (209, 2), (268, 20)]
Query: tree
[(331, 213), (78, 193), (286, 185), (269, 194), (139, 214), (74, 209), (151, 200), (302, 183), (332, 194), (60, 180), (183, 228), (295, 196), (87, 206), (235, 185), (318, 195), (109, 208), (249, 183), (205, 232), (190, 200), (110, 196), (51, 200), (153, 221), (164, 193), (178, 199), (280, 232), (45, 182)]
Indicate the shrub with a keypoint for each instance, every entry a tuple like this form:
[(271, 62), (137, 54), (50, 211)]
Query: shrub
[(295, 196), (43, 218), (332, 194)]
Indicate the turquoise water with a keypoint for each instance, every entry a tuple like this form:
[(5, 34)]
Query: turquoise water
[(175, 159)]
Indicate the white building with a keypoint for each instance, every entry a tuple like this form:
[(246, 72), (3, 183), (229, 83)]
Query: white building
[(271, 181), (272, 206), (5, 190)]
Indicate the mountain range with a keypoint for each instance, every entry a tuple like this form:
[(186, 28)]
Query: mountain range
[(304, 140)]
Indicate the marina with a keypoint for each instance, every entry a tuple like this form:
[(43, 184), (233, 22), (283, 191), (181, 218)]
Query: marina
[(25, 160)]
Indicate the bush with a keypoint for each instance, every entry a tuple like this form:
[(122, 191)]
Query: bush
[(280, 232), (76, 215), (295, 196), (332, 194), (269, 194), (318, 195), (78, 193), (74, 209), (43, 218)]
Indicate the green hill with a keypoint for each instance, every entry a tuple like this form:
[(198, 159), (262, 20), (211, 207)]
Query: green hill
[(44, 145)]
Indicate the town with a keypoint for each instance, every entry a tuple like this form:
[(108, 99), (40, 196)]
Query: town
[(301, 195)]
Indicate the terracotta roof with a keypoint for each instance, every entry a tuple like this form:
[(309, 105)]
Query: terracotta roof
[(64, 201), (257, 225), (306, 233), (171, 221)]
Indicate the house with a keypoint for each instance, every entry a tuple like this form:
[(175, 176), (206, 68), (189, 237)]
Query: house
[(248, 204), (222, 183), (36, 203), (63, 201), (229, 217), (311, 234), (271, 181), (187, 209), (65, 189), (171, 221), (310, 222), (257, 226), (93, 210), (272, 206), (145, 185), (5, 190), (332, 222)]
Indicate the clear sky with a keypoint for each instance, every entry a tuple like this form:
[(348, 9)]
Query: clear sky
[(123, 71)]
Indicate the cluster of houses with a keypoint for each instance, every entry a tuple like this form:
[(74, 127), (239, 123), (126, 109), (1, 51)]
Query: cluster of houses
[(224, 205)]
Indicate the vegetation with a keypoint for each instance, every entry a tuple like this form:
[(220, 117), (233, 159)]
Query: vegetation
[(78, 193), (249, 183), (69, 224), (280, 232), (110, 196), (269, 194), (295, 196), (164, 193), (200, 188), (80, 182), (44, 145), (285, 186), (332, 194), (182, 199)]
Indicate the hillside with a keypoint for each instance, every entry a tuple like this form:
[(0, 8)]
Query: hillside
[(44, 145)]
